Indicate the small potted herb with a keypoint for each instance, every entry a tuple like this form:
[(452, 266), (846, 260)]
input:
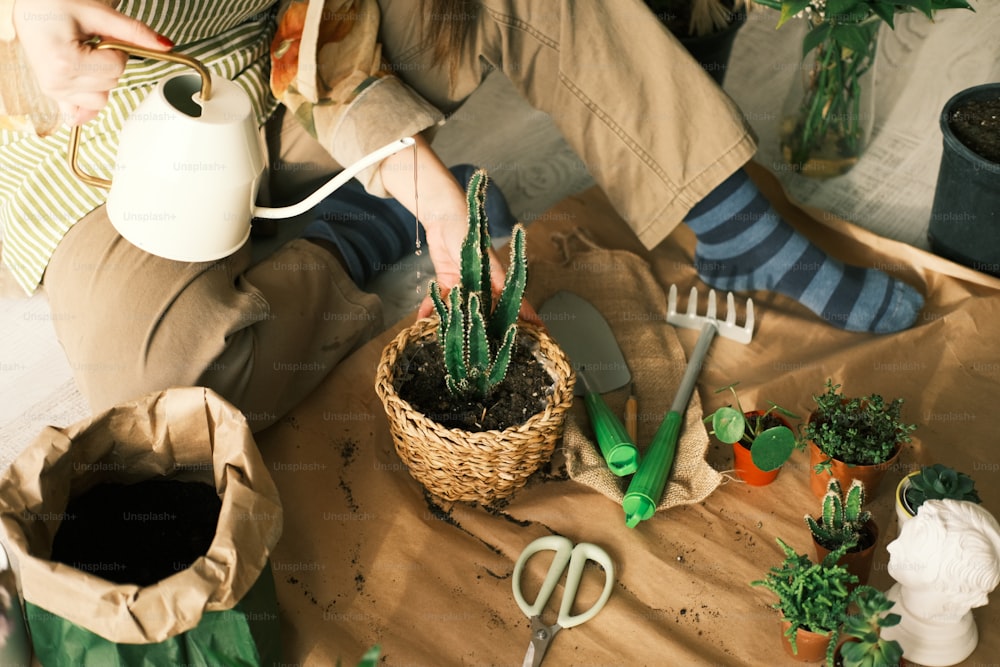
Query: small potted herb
[(813, 599), (853, 437), (934, 482), (475, 397), (864, 646), (762, 440), (845, 524)]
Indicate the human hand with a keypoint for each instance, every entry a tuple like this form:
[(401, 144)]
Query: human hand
[(444, 245), (54, 36)]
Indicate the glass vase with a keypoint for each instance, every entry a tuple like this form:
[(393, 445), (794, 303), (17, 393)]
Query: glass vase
[(828, 115)]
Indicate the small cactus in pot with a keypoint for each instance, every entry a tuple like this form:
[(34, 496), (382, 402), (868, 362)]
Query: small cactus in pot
[(477, 338)]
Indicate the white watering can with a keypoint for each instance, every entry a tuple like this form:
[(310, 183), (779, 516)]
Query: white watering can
[(189, 165)]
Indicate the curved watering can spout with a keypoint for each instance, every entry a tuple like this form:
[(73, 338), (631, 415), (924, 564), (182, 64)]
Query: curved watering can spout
[(335, 183)]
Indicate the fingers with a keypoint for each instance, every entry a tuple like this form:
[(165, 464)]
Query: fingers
[(56, 37), (97, 19)]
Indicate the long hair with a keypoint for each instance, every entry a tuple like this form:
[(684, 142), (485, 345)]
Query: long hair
[(447, 24)]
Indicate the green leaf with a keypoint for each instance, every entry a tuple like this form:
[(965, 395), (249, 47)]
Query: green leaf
[(855, 38), (789, 8), (728, 424), (478, 352), (502, 361), (885, 10), (839, 10), (772, 448), (815, 37)]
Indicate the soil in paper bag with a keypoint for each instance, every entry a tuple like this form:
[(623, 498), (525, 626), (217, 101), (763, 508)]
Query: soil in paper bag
[(138, 533)]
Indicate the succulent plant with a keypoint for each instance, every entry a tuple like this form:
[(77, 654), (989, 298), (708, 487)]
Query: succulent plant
[(864, 645), (477, 336), (843, 518), (938, 482)]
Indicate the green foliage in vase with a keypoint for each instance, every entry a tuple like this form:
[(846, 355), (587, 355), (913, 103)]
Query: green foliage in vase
[(811, 596), (477, 336), (858, 431), (939, 482), (843, 519), (866, 647), (844, 34)]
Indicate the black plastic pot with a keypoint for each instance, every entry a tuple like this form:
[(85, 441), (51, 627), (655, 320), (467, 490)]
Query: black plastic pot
[(965, 216)]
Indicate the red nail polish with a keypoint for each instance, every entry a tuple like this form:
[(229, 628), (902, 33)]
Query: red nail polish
[(165, 41)]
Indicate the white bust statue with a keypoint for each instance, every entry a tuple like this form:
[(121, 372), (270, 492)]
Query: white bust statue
[(945, 561)]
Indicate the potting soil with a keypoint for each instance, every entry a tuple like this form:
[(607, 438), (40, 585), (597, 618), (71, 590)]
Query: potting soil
[(976, 123), (137, 533), (521, 394)]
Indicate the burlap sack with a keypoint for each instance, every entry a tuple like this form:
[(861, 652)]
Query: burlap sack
[(622, 287), (188, 434)]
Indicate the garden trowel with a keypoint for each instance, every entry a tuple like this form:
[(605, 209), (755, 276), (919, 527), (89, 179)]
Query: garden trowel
[(584, 335)]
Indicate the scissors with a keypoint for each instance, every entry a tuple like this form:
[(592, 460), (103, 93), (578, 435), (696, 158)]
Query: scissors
[(565, 554)]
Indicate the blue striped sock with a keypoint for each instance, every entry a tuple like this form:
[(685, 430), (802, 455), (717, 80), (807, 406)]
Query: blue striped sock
[(744, 245)]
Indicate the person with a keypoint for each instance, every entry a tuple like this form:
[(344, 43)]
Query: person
[(945, 562), (332, 80)]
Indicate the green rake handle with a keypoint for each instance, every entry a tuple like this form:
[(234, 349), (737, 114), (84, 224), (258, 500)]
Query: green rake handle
[(646, 488)]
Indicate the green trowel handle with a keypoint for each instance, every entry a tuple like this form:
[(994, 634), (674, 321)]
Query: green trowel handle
[(619, 451), (647, 486)]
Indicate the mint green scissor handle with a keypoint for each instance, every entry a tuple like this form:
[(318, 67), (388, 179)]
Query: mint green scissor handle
[(576, 558)]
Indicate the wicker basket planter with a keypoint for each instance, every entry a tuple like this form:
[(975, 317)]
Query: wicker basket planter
[(486, 466)]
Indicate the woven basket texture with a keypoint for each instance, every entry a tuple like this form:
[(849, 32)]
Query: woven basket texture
[(458, 465)]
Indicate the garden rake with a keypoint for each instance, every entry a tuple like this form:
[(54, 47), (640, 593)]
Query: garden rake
[(647, 485)]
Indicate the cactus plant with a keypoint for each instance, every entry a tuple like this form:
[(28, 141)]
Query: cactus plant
[(843, 518), (477, 336)]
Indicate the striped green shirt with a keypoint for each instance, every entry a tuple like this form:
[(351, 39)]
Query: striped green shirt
[(40, 198)]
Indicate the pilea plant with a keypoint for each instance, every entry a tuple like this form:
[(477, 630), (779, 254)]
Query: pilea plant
[(857, 431), (938, 482), (843, 518), (811, 596), (865, 646), (476, 336), (770, 444)]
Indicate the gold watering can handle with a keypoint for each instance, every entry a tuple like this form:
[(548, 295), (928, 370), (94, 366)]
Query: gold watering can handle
[(131, 49)]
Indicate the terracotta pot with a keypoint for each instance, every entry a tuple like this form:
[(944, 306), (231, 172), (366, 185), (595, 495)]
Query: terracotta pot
[(745, 468), (858, 563), (747, 471), (870, 475), (811, 646)]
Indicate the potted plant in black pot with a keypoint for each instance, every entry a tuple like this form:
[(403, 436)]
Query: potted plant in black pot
[(813, 599), (762, 440), (933, 482), (475, 397), (844, 524), (965, 216), (853, 438), (706, 28)]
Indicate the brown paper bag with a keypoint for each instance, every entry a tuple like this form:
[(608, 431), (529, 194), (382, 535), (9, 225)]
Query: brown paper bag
[(187, 434)]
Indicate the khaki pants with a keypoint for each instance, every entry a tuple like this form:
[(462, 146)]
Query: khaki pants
[(654, 130)]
